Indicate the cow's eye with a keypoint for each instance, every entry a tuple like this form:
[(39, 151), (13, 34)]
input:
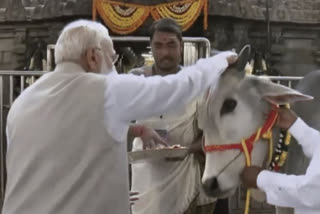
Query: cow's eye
[(228, 106)]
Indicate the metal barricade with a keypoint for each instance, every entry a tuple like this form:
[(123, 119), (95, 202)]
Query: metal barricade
[(194, 48), (285, 80), (12, 83)]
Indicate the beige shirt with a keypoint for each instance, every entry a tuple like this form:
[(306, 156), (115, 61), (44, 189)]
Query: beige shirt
[(159, 180)]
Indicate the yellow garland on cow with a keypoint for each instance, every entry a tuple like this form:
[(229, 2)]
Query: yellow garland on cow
[(125, 18), (280, 159), (248, 163)]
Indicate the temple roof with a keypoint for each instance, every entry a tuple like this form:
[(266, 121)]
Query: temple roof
[(295, 11)]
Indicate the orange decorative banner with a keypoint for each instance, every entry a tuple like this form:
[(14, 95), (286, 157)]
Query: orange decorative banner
[(125, 18)]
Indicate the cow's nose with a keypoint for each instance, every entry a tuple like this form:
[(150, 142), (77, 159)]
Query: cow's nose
[(211, 185)]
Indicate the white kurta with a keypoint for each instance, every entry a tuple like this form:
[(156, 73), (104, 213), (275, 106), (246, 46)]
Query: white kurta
[(67, 134), (300, 192), (160, 180), (164, 186)]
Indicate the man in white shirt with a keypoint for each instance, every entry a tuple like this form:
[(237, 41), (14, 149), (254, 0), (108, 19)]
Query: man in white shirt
[(300, 192), (67, 132), (179, 180)]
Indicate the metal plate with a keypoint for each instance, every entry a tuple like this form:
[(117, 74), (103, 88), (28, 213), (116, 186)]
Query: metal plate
[(156, 154)]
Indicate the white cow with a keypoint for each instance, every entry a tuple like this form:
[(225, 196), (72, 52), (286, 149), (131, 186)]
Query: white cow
[(234, 111)]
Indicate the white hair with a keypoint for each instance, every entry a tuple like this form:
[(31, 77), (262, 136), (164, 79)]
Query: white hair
[(78, 36)]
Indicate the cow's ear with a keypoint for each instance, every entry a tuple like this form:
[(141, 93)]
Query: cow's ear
[(278, 94)]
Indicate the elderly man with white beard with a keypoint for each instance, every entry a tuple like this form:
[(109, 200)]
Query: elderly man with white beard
[(67, 132)]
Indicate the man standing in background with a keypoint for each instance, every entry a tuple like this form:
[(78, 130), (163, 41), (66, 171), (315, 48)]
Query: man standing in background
[(167, 186)]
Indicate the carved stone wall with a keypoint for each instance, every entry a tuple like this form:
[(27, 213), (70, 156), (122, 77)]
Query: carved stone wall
[(294, 48), (16, 39), (31, 10), (231, 25), (296, 11)]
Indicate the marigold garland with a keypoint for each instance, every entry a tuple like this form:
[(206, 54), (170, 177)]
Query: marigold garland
[(120, 18), (185, 16), (125, 18)]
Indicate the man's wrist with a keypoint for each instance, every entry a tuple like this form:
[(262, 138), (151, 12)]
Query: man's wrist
[(292, 122), (136, 130), (262, 179)]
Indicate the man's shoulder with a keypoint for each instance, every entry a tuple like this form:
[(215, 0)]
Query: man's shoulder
[(145, 70)]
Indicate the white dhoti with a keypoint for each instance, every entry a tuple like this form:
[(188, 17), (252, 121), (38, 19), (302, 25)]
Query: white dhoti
[(166, 186)]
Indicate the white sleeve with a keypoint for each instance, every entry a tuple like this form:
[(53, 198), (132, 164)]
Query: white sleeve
[(306, 136), (296, 191), (130, 97)]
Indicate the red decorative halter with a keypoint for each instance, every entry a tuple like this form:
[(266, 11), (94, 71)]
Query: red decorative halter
[(247, 144)]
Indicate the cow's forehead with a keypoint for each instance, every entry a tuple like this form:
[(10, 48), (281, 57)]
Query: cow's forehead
[(242, 90)]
